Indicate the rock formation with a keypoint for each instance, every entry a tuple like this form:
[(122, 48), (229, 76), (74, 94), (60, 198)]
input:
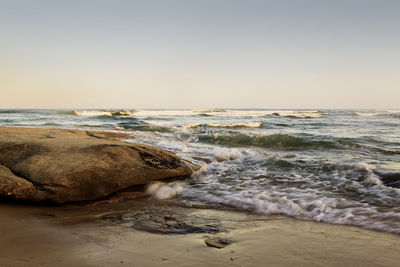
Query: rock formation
[(62, 166)]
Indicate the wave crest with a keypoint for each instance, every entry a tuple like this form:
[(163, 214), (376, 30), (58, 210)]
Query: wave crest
[(102, 112), (232, 125), (361, 114), (312, 114), (209, 110)]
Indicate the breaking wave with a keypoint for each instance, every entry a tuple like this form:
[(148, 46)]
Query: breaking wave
[(159, 123), (326, 196)]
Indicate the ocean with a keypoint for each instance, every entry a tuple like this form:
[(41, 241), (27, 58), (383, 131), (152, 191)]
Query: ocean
[(333, 166)]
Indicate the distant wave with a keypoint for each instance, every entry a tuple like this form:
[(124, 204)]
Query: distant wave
[(299, 115), (232, 125), (159, 123), (262, 113), (163, 113), (102, 112), (219, 113), (390, 113), (209, 110), (198, 125), (397, 111), (367, 114), (11, 111)]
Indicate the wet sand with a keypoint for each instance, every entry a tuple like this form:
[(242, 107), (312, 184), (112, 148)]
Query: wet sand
[(84, 235)]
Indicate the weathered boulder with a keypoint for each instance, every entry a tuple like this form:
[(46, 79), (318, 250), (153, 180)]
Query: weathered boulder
[(71, 165)]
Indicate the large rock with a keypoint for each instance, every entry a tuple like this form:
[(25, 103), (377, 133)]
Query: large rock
[(71, 165)]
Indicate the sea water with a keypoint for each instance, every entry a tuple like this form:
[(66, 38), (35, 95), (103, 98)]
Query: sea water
[(321, 165)]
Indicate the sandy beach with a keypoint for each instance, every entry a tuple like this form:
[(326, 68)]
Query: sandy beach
[(76, 235)]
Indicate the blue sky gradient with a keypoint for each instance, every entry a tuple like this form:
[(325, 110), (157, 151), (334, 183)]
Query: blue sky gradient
[(199, 54)]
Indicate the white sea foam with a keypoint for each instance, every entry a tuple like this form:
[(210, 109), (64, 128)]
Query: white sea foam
[(92, 113), (221, 154), (367, 114), (393, 111), (162, 190), (159, 123), (310, 202), (234, 113), (224, 154), (362, 166), (162, 113), (301, 206), (208, 112), (300, 115)]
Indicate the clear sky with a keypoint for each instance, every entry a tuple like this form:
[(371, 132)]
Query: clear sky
[(200, 54)]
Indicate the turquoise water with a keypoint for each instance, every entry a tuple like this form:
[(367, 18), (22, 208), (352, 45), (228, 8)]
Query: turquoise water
[(334, 166)]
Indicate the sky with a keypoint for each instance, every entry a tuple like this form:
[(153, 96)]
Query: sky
[(200, 54)]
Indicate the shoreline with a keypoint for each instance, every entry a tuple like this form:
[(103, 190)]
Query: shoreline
[(132, 229), (76, 235)]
